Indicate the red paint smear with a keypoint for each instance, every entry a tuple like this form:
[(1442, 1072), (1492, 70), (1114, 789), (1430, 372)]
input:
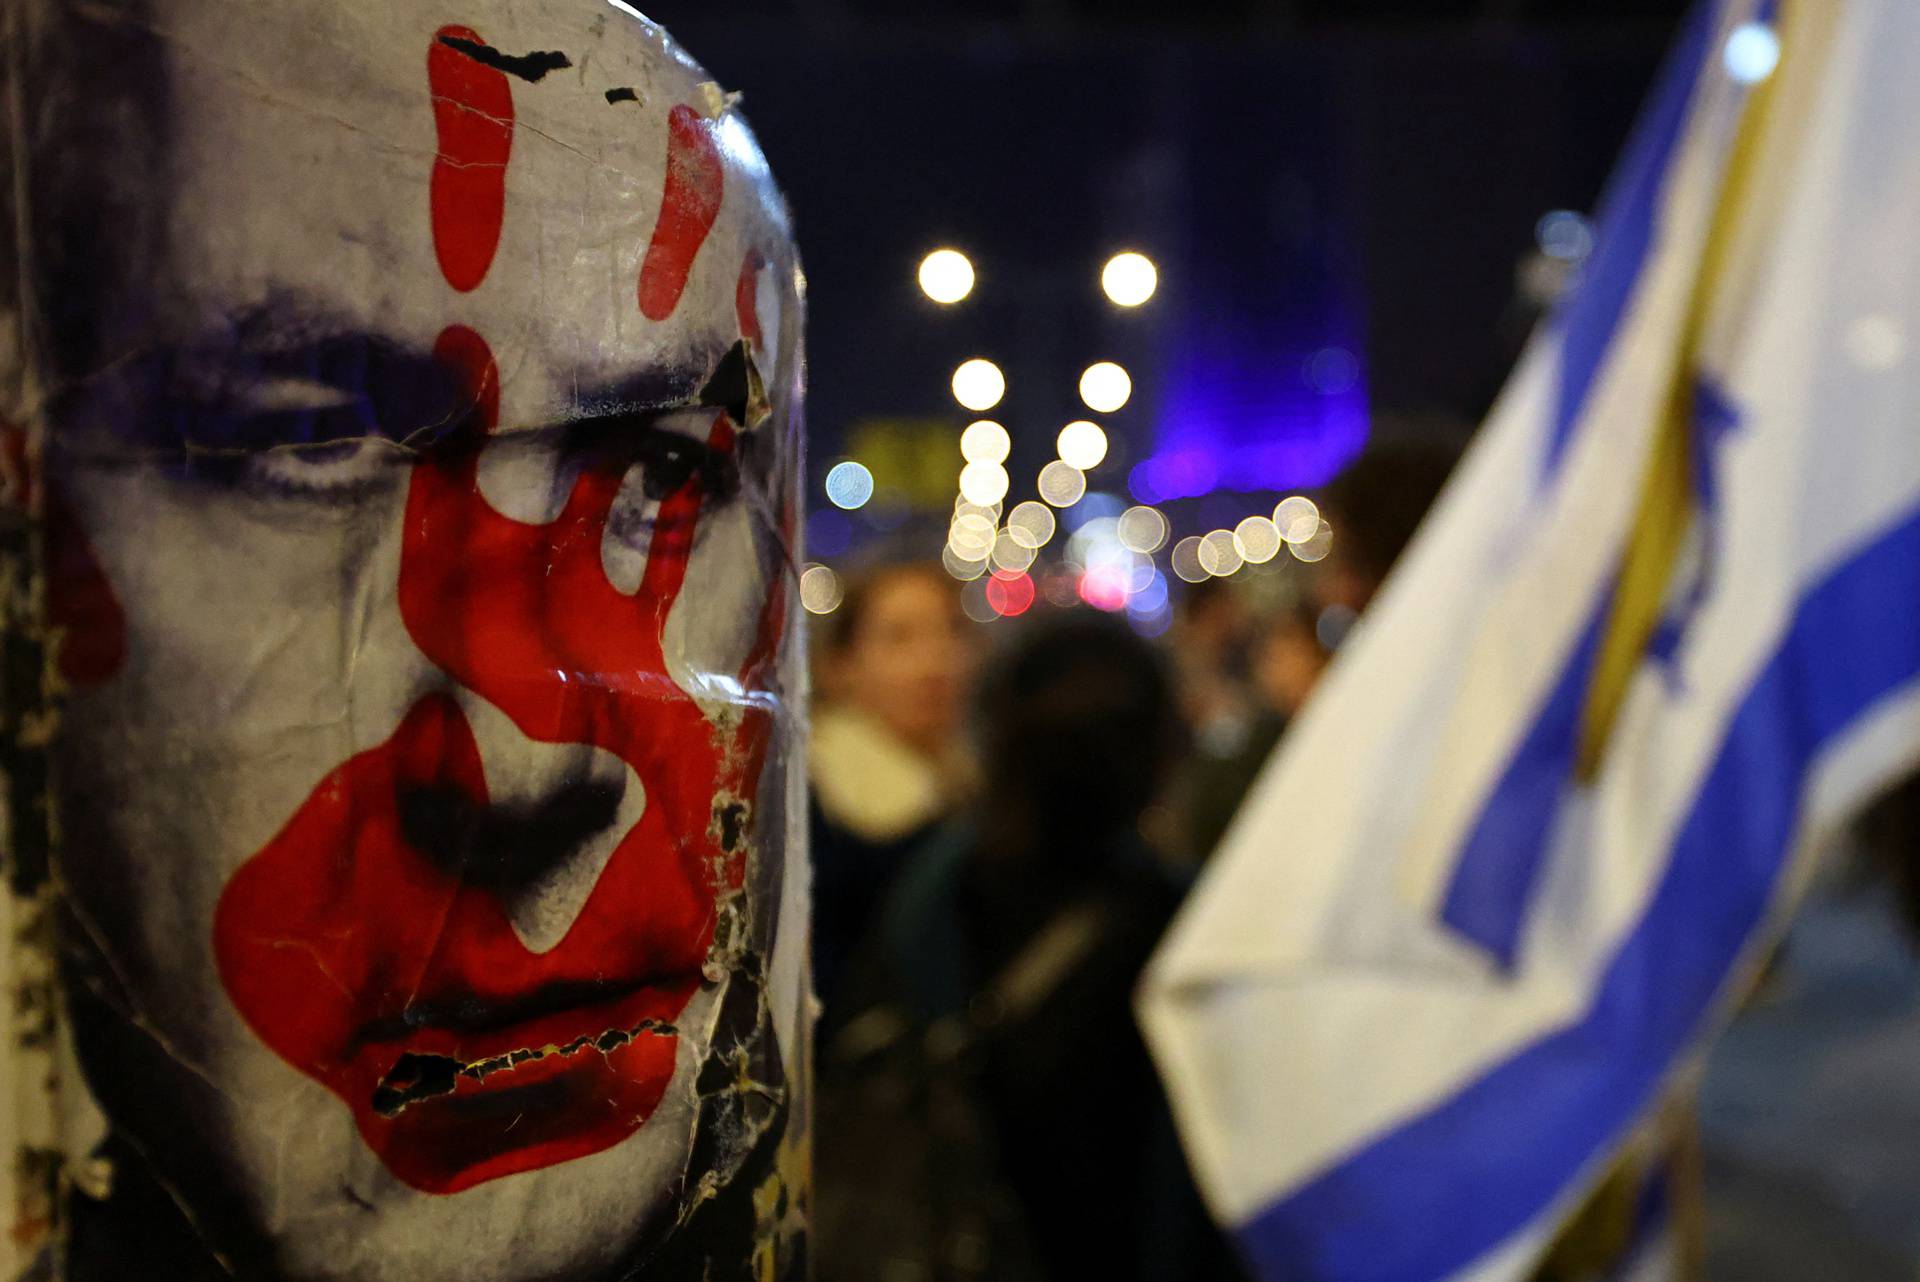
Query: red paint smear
[(462, 350), (689, 204), (90, 625), (746, 304), (329, 934), (473, 115), (339, 940), (80, 601)]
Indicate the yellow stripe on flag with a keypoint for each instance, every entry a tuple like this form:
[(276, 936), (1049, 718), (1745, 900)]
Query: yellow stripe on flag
[(1666, 492)]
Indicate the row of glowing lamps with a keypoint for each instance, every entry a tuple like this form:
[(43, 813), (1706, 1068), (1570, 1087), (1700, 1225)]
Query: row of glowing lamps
[(1112, 556), (947, 276), (1128, 278), (994, 559), (1109, 560), (979, 385), (984, 446), (978, 545)]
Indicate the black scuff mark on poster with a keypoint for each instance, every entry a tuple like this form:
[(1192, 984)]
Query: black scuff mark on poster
[(530, 67)]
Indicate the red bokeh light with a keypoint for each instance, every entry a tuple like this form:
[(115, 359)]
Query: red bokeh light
[(1009, 594), (1106, 587)]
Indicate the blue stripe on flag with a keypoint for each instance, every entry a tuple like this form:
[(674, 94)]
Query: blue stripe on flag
[(1624, 234), (1494, 876), (1431, 1196), (1500, 859)]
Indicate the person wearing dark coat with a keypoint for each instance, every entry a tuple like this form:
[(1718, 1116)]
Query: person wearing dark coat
[(991, 1099)]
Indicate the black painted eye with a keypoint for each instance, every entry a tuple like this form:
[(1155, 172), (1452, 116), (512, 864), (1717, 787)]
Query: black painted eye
[(667, 461), (668, 450)]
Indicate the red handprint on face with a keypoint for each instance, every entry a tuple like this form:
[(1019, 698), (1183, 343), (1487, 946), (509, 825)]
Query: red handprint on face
[(389, 969), (473, 116), (689, 204), (88, 620), (372, 942)]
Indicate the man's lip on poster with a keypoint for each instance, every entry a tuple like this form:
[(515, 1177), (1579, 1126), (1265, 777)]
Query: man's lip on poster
[(377, 969), (450, 1106)]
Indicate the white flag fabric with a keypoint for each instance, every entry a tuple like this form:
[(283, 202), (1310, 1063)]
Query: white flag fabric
[(1443, 963)]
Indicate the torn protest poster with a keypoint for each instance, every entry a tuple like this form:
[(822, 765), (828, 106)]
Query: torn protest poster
[(402, 448)]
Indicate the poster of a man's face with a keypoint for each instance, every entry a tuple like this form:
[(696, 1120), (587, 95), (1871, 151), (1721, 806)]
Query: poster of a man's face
[(416, 405)]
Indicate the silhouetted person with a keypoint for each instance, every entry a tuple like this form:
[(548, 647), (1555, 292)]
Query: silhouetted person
[(1008, 1097)]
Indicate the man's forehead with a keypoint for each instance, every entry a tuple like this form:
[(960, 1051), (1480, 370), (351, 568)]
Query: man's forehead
[(559, 179)]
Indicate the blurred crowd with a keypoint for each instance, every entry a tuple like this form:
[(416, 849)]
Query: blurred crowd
[(1005, 821), (1003, 827)]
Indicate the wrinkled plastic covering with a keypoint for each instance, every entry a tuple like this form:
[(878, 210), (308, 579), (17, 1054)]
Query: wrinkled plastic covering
[(400, 451)]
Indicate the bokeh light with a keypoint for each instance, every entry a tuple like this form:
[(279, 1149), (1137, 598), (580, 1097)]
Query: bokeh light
[(1564, 234), (1009, 594), (1061, 587), (1105, 387), (960, 567), (1752, 52), (1143, 529), (985, 441), (1105, 587), (1129, 279), (971, 535), (974, 603), (946, 276), (1315, 548), (1095, 541), (1061, 484), (1097, 503), (1219, 554), (1011, 555), (1331, 626), (1185, 559), (1257, 540), (1332, 371), (820, 589), (1297, 518), (1140, 571), (849, 485), (1151, 598), (983, 483), (978, 384), (1082, 444), (1030, 524), (1151, 624)]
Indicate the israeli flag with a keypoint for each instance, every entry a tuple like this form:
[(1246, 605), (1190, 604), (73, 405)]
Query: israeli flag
[(1658, 641)]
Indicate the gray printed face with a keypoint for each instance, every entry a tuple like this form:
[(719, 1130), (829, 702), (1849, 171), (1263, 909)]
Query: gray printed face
[(423, 587)]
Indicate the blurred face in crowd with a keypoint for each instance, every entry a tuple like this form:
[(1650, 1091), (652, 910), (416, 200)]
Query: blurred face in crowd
[(906, 658), (422, 593), (1287, 662)]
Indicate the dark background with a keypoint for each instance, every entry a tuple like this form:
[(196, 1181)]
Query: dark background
[(1365, 176)]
